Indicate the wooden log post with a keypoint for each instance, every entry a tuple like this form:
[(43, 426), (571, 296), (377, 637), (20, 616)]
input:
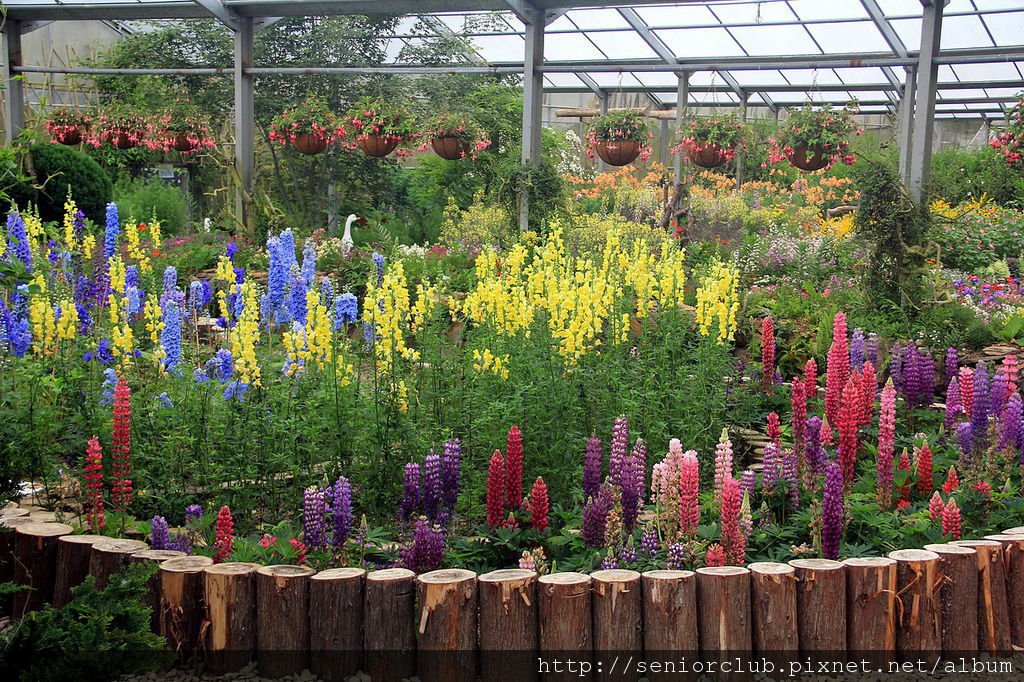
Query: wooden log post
[(230, 596), (773, 612), (35, 555), (821, 606), (73, 553), (13, 513), (152, 596), (919, 622), (993, 610), (389, 638), (447, 625), (7, 535), (282, 619), (43, 516), (565, 623), (723, 608), (181, 602), (508, 625), (670, 621), (110, 556), (1019, 530), (1013, 567), (618, 621), (959, 596), (336, 623), (871, 609)]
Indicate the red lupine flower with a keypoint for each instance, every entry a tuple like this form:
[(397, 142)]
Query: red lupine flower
[(300, 547), (798, 418), (838, 369), (715, 556), (94, 486), (267, 540), (902, 504), (514, 469), (774, 430), (689, 484), (733, 542), (495, 489), (952, 481), (982, 488), (951, 520), (904, 465), (224, 538), (849, 415), (509, 522), (811, 379), (924, 469), (936, 506), (768, 354), (868, 389), (122, 451), (539, 505)]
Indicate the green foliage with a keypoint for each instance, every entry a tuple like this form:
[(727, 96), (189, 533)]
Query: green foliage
[(976, 237), (482, 224), (98, 635), (143, 200), (626, 124), (960, 176), (826, 126), (59, 168)]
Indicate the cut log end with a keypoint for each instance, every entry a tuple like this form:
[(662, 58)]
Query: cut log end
[(817, 564), (44, 530), (448, 576), (941, 549), (770, 568), (340, 574), (508, 575), (662, 574), (869, 562), (722, 571), (232, 568), (282, 571), (913, 555), (567, 578), (186, 564), (387, 575), (160, 555)]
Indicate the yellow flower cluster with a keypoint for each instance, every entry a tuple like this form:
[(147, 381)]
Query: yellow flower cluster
[(67, 323), (70, 209), (245, 335), (122, 339), (155, 325), (118, 275), (390, 317), (488, 362), (134, 245), (718, 302), (42, 320), (33, 224), (423, 309), (309, 345), (225, 274), (839, 227)]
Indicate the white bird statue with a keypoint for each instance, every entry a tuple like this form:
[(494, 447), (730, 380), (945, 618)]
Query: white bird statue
[(346, 239)]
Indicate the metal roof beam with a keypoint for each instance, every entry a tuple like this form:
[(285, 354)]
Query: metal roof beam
[(892, 39), (218, 11), (648, 36)]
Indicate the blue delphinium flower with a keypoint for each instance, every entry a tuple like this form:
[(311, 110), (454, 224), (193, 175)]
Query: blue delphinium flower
[(113, 230), (326, 290), (131, 276), (236, 391), (5, 324), (165, 400), (221, 366), (277, 281), (309, 263), (288, 250), (17, 240), (379, 260), (297, 300), (109, 382), (200, 376), (170, 336), (195, 295), (135, 300), (231, 250), (170, 282), (346, 310)]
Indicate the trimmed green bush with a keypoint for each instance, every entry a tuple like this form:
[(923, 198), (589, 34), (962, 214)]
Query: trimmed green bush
[(142, 200), (59, 168)]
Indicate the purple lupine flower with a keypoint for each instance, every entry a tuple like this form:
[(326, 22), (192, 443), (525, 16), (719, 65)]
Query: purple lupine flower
[(595, 517), (427, 549), (791, 475), (981, 407), (650, 543), (748, 482), (432, 486), (627, 554), (772, 465), (180, 542), (411, 490), (160, 534), (676, 557), (632, 483), (193, 514), (341, 511), (609, 563), (965, 441), (1011, 429), (592, 457), (918, 376), (858, 349), (954, 408), (314, 508), (832, 512), (815, 454), (896, 367), (1000, 391), (619, 448), (951, 367), (450, 468), (871, 349)]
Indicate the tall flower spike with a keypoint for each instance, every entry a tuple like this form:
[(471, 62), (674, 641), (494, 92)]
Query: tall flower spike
[(1011, 368), (798, 418), (715, 556), (341, 511), (815, 453), (858, 349), (450, 472), (980, 407), (495, 490), (633, 484), (811, 379), (774, 429), (850, 412), (514, 469), (159, 533), (733, 541), (838, 369), (951, 520), (723, 461), (832, 512), (1011, 427), (94, 486), (224, 538), (886, 443), (411, 490), (951, 364), (121, 490), (314, 509), (966, 383), (595, 517), (432, 487), (936, 506), (925, 484), (619, 448), (771, 467), (592, 457), (539, 505), (952, 481), (953, 406), (768, 355), (689, 488)]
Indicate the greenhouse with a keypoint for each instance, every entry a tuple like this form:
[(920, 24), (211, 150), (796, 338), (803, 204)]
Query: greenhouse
[(511, 339)]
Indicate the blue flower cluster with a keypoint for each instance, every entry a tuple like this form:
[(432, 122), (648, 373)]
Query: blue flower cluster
[(17, 240), (113, 230)]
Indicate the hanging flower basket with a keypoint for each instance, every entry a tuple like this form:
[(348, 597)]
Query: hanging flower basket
[(181, 127), (123, 139), (377, 146), (710, 141), (815, 138), (309, 128), (619, 137), (379, 126), (182, 143), (809, 158), (455, 136), (710, 156), (449, 147), (67, 127), (72, 136), (309, 144), (621, 153), (1010, 142)]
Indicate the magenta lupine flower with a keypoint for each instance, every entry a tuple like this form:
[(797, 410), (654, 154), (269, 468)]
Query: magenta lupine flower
[(450, 469), (432, 486), (981, 407), (954, 408), (427, 549), (676, 557), (772, 464), (314, 508), (595, 517), (160, 534), (832, 512), (341, 511), (632, 485), (790, 474), (886, 443), (1010, 426), (952, 363), (815, 454), (748, 482), (619, 448), (592, 457), (650, 543), (411, 490), (689, 490)]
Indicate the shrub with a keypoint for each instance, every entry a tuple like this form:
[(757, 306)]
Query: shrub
[(960, 176), (589, 233), (482, 224), (59, 168), (142, 200)]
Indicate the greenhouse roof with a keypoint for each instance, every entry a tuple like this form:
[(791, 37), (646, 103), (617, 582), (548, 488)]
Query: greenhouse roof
[(772, 52)]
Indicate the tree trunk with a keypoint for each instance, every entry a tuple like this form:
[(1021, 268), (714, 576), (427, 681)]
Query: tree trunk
[(230, 616), (390, 629), (35, 553), (871, 609), (670, 619), (919, 626), (447, 625), (821, 605), (508, 625), (73, 552), (336, 623), (1013, 566), (181, 602), (282, 619), (959, 596), (993, 611), (152, 596), (618, 620), (565, 621), (773, 616), (723, 607), (110, 556)]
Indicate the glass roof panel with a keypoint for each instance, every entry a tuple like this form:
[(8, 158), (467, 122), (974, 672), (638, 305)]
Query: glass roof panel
[(900, 8), (563, 80), (1007, 28), (962, 93), (774, 40), (1007, 93), (622, 44), (660, 79), (814, 10), (849, 36), (959, 32), (909, 31), (947, 75), (862, 76), (564, 47), (500, 48), (596, 18), (749, 12), (996, 4), (766, 77), (999, 71), (683, 15), (700, 42), (810, 76)]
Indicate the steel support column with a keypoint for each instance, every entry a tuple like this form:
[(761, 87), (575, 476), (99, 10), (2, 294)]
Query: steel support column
[(244, 121), (682, 101), (601, 165), (741, 154), (924, 102), (533, 98), (906, 124), (14, 90)]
